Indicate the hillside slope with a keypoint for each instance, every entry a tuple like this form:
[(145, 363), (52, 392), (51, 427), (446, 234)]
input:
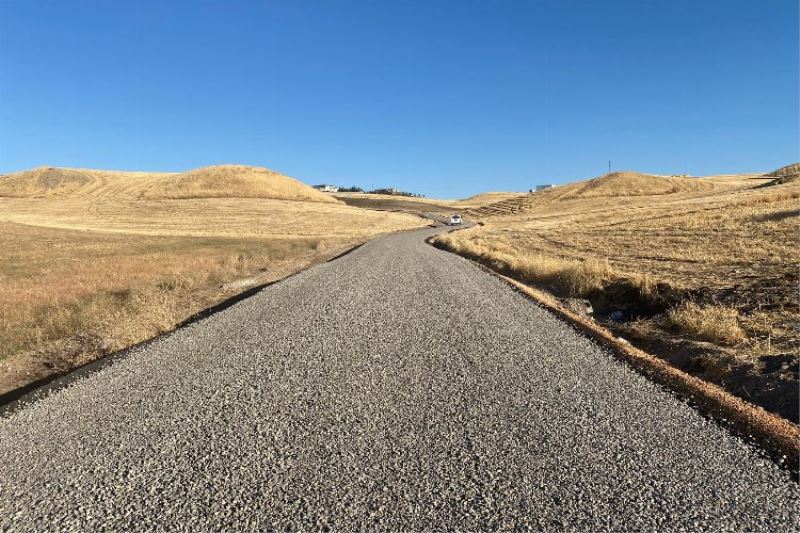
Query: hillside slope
[(486, 198), (234, 181), (614, 185), (633, 184), (45, 182), (223, 181)]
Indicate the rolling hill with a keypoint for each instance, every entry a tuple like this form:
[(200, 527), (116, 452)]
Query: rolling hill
[(46, 182), (234, 181), (632, 184), (619, 185), (223, 181)]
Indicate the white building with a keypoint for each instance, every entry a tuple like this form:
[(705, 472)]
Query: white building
[(327, 188), (542, 187)]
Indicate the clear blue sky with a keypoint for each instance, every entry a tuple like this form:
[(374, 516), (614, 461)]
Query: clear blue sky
[(442, 98)]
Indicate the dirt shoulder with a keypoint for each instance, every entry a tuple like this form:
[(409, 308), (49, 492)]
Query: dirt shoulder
[(705, 277)]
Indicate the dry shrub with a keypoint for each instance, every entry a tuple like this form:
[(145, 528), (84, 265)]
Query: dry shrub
[(714, 323)]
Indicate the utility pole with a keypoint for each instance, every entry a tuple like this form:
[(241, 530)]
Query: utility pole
[(609, 166)]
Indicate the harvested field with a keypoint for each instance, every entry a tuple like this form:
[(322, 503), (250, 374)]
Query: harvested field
[(89, 264), (486, 198), (701, 271), (387, 202)]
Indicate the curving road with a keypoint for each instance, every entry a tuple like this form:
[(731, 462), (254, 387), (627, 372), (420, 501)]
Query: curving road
[(398, 387)]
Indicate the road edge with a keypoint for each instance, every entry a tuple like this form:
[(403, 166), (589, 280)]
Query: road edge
[(22, 397), (776, 436)]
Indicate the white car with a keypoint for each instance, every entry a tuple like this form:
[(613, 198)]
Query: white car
[(455, 220)]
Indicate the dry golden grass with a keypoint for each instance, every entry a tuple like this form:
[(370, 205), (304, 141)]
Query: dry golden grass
[(416, 204), (573, 277), (619, 184), (234, 181), (480, 200), (48, 182), (714, 323), (689, 239), (725, 242), (222, 181), (234, 217), (114, 289), (91, 268)]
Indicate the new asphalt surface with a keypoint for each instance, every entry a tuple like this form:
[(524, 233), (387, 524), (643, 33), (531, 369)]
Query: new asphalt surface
[(399, 388)]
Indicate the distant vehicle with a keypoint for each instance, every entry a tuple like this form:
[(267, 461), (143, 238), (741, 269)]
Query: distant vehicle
[(455, 220)]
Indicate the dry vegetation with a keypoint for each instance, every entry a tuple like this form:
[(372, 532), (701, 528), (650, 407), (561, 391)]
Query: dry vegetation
[(702, 271), (93, 261), (486, 198), (233, 181), (423, 205), (222, 181), (715, 323)]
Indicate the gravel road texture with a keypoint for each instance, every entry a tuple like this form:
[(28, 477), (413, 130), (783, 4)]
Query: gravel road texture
[(397, 387)]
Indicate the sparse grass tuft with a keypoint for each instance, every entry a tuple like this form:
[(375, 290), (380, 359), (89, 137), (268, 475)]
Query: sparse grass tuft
[(710, 323)]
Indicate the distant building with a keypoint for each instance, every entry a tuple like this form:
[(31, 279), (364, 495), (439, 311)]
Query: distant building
[(327, 188), (542, 187)]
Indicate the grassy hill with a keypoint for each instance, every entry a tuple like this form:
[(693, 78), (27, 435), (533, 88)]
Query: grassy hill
[(613, 185), (234, 181), (618, 184), (45, 182), (222, 181)]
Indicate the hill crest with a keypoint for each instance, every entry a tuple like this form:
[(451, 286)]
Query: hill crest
[(220, 181), (234, 181), (628, 183)]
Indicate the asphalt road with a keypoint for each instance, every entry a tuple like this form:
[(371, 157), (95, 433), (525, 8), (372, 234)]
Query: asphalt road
[(398, 387)]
